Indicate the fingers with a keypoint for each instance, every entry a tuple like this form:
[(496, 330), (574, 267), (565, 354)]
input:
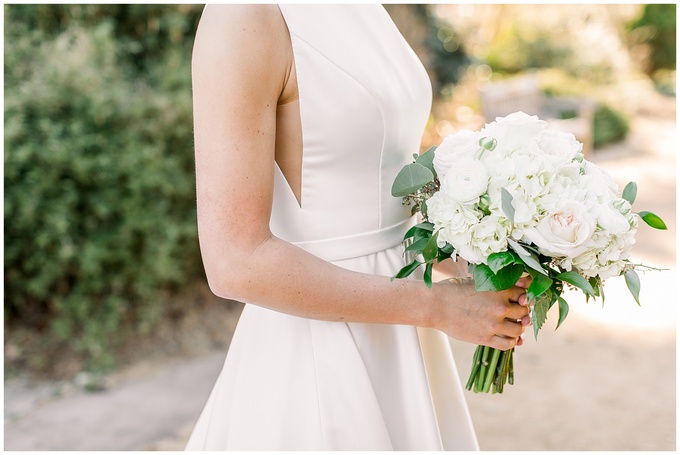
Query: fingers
[(515, 311), (510, 329), (524, 282), (505, 343)]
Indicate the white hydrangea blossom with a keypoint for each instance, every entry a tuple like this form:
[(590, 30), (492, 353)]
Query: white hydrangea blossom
[(566, 206)]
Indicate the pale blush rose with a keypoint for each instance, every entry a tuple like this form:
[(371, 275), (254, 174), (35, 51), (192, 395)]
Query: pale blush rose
[(515, 130), (564, 232), (558, 147), (466, 181), (454, 147)]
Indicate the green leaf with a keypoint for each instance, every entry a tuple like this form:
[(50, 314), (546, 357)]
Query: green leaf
[(594, 285), (506, 204), (630, 192), (508, 276), (417, 246), (497, 261), (427, 276), (427, 158), (529, 258), (426, 226), (431, 248), (483, 276), (653, 220), (564, 310), (539, 285), (410, 179), (445, 252), (577, 280), (419, 227), (407, 269), (540, 312), (633, 283)]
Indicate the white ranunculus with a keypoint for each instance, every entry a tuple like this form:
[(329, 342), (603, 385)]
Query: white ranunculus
[(515, 130), (454, 147), (466, 181), (564, 232), (558, 147)]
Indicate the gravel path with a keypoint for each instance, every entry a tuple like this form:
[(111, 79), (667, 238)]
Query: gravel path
[(605, 381)]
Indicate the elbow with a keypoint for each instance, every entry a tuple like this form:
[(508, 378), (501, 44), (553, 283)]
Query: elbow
[(234, 271), (223, 281), (234, 276)]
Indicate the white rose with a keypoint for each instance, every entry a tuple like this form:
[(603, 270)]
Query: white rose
[(515, 130), (463, 144), (612, 220), (558, 147), (466, 181), (564, 232)]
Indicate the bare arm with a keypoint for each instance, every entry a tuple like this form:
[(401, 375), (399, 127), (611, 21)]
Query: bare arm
[(241, 60)]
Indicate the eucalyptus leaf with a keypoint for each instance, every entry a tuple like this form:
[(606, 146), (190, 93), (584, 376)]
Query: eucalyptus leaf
[(427, 158), (529, 258), (633, 283), (506, 204), (577, 280), (630, 192), (410, 179), (653, 220)]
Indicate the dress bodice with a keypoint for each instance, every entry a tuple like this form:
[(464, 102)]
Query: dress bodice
[(364, 101)]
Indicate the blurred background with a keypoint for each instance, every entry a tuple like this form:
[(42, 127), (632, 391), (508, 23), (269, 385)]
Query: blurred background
[(112, 340)]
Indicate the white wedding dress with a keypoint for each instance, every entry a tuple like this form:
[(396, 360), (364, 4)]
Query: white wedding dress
[(291, 383)]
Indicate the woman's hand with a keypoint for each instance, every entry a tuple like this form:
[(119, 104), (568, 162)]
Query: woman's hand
[(496, 319)]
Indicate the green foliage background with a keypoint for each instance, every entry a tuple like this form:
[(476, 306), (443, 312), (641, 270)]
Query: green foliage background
[(100, 219), (657, 28)]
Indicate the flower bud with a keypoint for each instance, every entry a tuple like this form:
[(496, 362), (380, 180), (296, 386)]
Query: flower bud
[(488, 143)]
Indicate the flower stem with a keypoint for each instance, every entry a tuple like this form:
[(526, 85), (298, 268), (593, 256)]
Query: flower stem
[(481, 376), (476, 364), (495, 355)]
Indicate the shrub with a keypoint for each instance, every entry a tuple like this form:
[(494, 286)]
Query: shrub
[(610, 126), (656, 28), (99, 191)]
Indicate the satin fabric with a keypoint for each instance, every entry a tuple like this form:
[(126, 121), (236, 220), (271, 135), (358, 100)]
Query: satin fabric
[(291, 383)]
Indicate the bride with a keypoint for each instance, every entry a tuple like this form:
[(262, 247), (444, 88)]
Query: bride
[(303, 116)]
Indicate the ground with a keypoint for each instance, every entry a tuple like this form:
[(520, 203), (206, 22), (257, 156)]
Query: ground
[(606, 380)]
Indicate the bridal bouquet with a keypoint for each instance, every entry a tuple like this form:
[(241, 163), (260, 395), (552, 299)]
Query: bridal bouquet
[(519, 198)]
